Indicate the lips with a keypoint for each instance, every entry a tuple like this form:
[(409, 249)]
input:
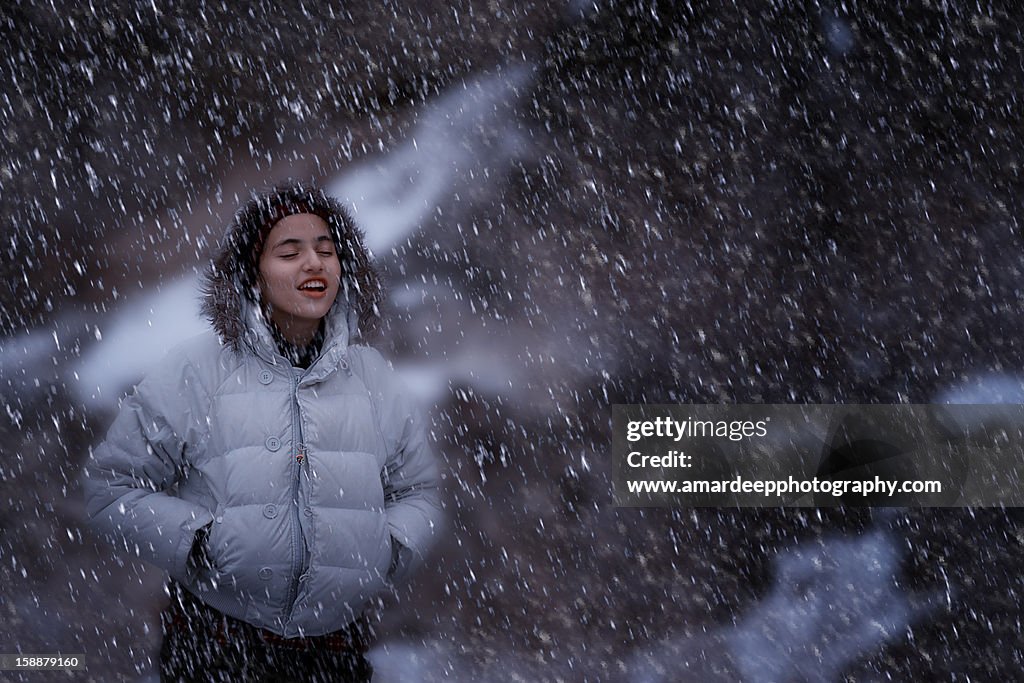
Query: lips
[(314, 283), (315, 288)]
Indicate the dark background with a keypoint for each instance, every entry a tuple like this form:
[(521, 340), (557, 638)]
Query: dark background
[(694, 202)]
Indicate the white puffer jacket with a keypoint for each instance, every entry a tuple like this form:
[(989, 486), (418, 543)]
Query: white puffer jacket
[(306, 477)]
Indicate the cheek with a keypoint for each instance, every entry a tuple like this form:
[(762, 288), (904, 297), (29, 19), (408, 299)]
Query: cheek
[(272, 284)]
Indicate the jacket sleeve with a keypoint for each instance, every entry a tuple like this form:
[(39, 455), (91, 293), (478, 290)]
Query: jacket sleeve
[(411, 480), (127, 478)]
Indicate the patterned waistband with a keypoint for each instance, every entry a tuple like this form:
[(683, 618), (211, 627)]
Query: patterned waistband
[(188, 614)]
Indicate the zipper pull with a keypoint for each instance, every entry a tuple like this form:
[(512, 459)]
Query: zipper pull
[(300, 455)]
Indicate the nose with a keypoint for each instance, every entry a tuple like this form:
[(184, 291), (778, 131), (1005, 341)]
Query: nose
[(313, 262)]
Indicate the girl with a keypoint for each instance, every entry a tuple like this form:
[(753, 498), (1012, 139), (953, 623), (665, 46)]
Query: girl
[(276, 469)]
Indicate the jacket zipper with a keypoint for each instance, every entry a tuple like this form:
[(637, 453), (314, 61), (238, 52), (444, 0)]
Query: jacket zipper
[(299, 453)]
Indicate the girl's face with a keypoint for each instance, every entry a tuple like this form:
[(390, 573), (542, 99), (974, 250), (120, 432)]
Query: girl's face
[(300, 275)]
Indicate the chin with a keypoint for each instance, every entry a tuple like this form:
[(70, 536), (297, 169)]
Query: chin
[(317, 312)]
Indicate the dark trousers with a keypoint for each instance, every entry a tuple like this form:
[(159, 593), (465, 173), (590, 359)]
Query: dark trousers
[(201, 644)]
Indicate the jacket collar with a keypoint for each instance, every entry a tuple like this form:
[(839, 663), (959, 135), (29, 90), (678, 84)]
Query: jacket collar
[(342, 326)]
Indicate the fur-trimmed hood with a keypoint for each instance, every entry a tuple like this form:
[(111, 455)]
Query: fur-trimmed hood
[(230, 299)]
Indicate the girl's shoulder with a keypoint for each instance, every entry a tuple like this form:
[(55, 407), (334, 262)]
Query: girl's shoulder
[(205, 355), (201, 349), (368, 361), (206, 343), (379, 375)]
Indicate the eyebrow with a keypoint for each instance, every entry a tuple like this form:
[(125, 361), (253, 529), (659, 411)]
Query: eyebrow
[(294, 241)]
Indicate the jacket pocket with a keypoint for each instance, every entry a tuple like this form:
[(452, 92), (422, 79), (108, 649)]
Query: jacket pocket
[(226, 572), (206, 575), (214, 549)]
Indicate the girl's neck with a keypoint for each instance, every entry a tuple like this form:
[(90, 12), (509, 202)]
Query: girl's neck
[(300, 355)]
